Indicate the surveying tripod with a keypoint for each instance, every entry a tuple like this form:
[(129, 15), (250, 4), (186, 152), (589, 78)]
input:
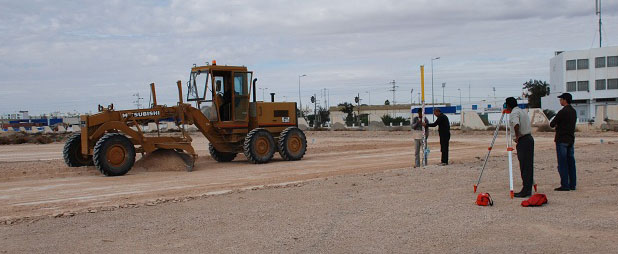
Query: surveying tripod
[(509, 148)]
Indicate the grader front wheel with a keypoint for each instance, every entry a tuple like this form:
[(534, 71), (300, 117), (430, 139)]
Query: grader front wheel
[(114, 154), (72, 152), (259, 146), (220, 156)]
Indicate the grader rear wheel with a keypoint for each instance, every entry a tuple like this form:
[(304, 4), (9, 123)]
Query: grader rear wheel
[(114, 154), (259, 146), (72, 152), (292, 144)]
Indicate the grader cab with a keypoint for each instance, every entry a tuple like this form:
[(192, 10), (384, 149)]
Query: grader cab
[(226, 112)]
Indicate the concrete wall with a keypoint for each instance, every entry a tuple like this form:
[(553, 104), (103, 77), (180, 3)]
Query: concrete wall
[(537, 117), (471, 120)]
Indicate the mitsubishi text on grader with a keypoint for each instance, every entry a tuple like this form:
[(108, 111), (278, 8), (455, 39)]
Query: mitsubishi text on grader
[(230, 121)]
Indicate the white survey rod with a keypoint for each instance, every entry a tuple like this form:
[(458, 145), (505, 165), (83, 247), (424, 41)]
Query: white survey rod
[(424, 141), (510, 151)]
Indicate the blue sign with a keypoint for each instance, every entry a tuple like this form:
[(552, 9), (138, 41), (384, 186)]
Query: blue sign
[(445, 110)]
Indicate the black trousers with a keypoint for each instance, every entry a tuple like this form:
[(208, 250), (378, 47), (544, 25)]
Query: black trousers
[(444, 140), (525, 155)]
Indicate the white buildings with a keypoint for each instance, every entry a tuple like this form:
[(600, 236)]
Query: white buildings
[(591, 76)]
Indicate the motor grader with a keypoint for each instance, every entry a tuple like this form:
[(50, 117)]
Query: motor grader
[(223, 113)]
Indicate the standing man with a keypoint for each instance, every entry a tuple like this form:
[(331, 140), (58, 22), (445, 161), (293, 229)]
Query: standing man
[(520, 126), (564, 122), (444, 129), (417, 134)]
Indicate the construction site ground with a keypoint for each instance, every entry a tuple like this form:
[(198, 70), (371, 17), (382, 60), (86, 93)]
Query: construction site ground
[(353, 192)]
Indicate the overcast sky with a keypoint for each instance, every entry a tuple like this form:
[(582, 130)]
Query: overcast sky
[(73, 55)]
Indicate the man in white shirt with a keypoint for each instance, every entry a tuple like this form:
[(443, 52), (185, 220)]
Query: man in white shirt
[(519, 123), (417, 134)]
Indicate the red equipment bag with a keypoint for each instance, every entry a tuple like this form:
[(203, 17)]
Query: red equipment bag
[(536, 200), (484, 199)]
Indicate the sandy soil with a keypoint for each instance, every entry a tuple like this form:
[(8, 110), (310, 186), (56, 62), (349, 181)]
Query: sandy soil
[(353, 192)]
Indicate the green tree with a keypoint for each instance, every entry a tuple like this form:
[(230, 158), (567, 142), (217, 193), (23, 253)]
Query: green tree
[(348, 108), (387, 102), (535, 90)]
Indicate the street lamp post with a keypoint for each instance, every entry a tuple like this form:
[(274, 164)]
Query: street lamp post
[(300, 101), (432, 97), (411, 96)]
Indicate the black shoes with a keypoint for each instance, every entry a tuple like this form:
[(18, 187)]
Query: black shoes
[(522, 194), (562, 189)]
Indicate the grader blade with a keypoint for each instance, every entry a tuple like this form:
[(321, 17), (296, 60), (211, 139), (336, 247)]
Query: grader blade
[(188, 159)]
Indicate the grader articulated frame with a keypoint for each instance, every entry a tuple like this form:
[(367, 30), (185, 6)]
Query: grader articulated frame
[(110, 139)]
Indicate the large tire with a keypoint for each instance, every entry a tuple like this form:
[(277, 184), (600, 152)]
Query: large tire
[(259, 146), (292, 144), (72, 152), (114, 154), (220, 156)]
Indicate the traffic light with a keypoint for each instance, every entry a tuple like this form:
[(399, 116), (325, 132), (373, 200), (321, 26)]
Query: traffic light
[(312, 99), (356, 99)]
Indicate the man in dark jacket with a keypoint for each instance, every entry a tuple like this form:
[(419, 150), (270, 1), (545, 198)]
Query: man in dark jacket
[(564, 122), (444, 130)]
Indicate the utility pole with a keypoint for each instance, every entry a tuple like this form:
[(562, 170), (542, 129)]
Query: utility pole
[(598, 12), (137, 102), (411, 96), (325, 101), (393, 90)]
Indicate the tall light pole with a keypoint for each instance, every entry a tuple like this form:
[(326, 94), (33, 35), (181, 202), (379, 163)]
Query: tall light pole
[(432, 100), (443, 85), (263, 89), (460, 106), (494, 94), (300, 101)]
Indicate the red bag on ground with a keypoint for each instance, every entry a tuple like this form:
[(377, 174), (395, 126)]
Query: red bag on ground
[(484, 199), (536, 200)]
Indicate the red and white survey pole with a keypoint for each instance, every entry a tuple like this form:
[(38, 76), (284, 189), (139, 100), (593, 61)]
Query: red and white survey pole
[(509, 149)]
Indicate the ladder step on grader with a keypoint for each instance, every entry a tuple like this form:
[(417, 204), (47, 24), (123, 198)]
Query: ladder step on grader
[(223, 113)]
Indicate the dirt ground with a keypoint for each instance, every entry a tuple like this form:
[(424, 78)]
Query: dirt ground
[(353, 192)]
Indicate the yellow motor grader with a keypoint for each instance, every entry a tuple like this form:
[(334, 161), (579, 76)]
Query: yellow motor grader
[(224, 113)]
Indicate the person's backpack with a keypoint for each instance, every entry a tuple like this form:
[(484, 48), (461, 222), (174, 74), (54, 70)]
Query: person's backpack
[(484, 199), (536, 200)]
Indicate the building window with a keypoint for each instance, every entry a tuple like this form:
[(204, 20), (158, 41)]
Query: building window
[(571, 86), (570, 65), (600, 84), (612, 83), (582, 64), (599, 62), (612, 61), (582, 86)]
